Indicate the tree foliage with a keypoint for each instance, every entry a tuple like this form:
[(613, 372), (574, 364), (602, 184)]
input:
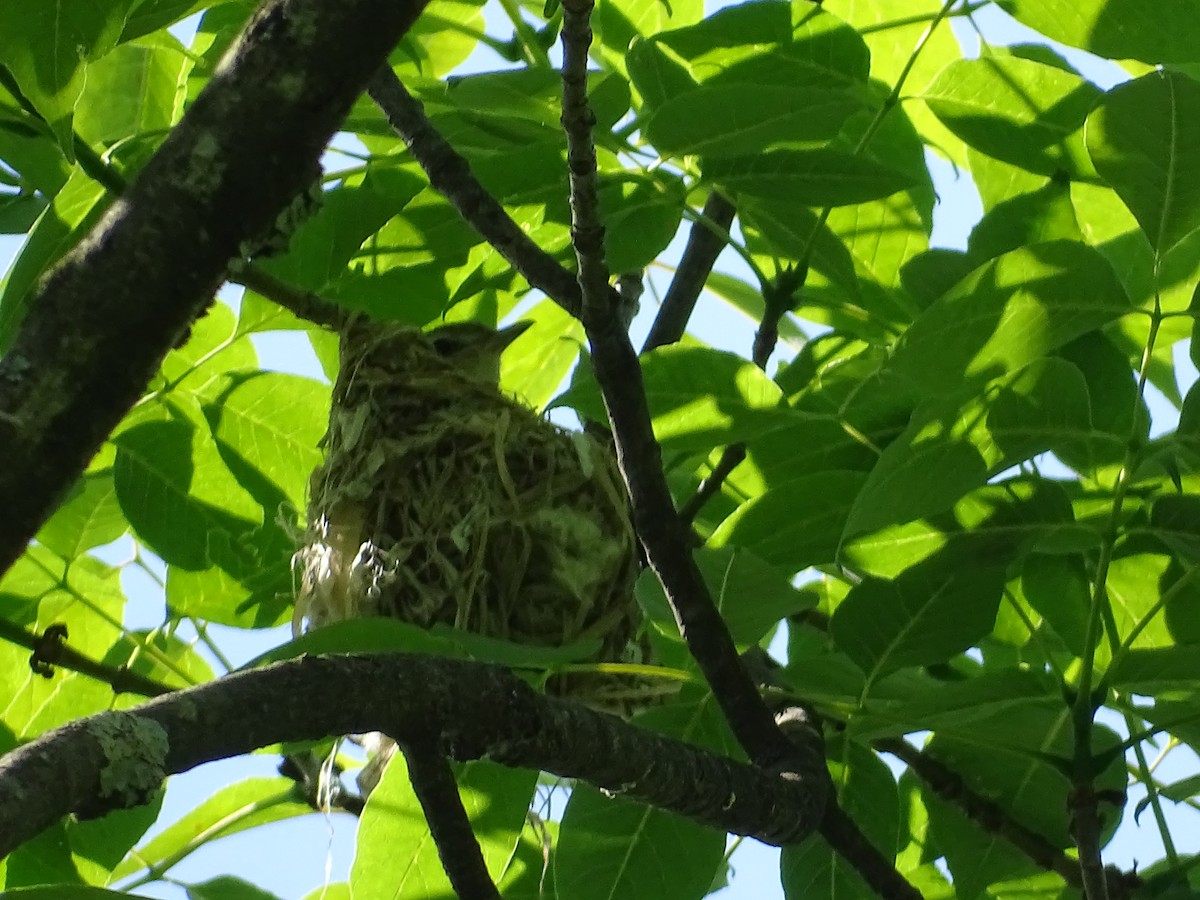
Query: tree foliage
[(953, 492)]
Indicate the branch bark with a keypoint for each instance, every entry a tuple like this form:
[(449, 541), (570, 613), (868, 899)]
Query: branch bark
[(465, 710), (250, 143), (704, 245), (433, 783)]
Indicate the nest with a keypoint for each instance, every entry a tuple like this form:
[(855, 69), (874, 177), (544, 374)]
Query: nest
[(442, 501)]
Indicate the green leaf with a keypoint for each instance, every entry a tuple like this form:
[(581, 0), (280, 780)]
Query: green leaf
[(396, 855), (28, 148), (440, 40), (132, 91), (991, 524), (84, 596), (1057, 587), (641, 215), (912, 701), (699, 398), (70, 215), (216, 352), (98, 845), (619, 22), (797, 524), (338, 891), (68, 892), (1116, 29), (1007, 313), (736, 119), (1143, 141), (867, 792), (536, 368), (930, 274), (1046, 214), (384, 635), (47, 47), (891, 29), (236, 807), (324, 244), (88, 517), (611, 847), (822, 177), (177, 492), (1016, 110), (1157, 670), (733, 575), (274, 422), (951, 447), (226, 887), (1154, 594), (753, 43), (919, 618), (18, 212)]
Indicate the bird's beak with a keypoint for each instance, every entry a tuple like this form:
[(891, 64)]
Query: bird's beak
[(506, 336)]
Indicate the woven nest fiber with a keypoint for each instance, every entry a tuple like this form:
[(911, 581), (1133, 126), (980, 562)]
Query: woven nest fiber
[(442, 501)]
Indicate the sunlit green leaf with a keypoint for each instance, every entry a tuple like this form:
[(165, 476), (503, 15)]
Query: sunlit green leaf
[(396, 855), (1016, 110), (1117, 29), (274, 423), (699, 398), (72, 212), (1006, 314), (132, 91), (916, 619), (1143, 141), (805, 177), (610, 846)]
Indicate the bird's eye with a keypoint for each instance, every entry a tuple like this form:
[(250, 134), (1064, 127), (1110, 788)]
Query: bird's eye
[(445, 346)]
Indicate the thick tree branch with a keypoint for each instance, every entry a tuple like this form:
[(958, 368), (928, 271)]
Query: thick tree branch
[(466, 710), (703, 247), (250, 143), (437, 792)]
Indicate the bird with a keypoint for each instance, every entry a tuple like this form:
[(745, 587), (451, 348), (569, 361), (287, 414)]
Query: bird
[(444, 501)]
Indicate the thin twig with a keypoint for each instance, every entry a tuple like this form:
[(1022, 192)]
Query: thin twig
[(731, 457), (433, 783), (587, 231), (704, 245), (303, 304), (50, 649), (949, 786)]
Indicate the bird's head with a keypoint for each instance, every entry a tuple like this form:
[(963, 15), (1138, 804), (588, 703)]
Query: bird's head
[(474, 349)]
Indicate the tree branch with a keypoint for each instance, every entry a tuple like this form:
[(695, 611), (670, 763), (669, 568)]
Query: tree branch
[(50, 649), (250, 143), (469, 710), (433, 783), (450, 175), (703, 247), (984, 813), (618, 373)]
